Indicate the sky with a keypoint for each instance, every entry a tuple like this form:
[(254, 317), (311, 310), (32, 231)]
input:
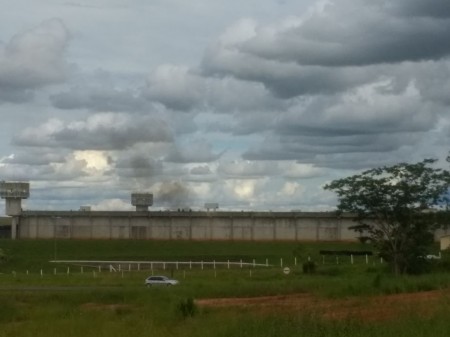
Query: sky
[(254, 105)]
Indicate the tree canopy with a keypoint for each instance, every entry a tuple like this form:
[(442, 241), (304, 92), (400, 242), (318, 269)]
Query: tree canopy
[(396, 206)]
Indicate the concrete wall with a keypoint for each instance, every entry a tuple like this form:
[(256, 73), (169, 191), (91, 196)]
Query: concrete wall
[(265, 226)]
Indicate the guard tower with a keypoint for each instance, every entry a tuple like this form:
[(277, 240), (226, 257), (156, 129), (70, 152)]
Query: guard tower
[(13, 193), (142, 201)]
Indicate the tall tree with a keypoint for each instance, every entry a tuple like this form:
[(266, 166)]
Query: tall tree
[(393, 204)]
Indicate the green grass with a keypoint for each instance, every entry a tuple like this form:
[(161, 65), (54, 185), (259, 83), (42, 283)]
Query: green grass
[(117, 304)]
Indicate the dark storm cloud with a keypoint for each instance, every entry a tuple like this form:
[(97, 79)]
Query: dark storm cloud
[(308, 149), (33, 59), (367, 121), (429, 8), (348, 44), (138, 166), (173, 194), (107, 131), (355, 33)]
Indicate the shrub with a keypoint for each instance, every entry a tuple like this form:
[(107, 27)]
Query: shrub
[(187, 308), (2, 256), (309, 267)]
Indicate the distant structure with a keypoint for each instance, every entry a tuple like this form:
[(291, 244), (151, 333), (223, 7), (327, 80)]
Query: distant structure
[(212, 205), (142, 201), (143, 224), (13, 193)]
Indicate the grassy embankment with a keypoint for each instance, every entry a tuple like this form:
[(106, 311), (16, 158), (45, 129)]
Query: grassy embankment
[(117, 304)]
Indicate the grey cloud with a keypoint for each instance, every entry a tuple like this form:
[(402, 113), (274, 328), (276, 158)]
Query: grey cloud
[(35, 157), (389, 114), (107, 131), (369, 35), (70, 169), (173, 194), (284, 79), (247, 169), (306, 149), (200, 170), (100, 99), (192, 152), (348, 44), (429, 8), (138, 166), (20, 73), (184, 89)]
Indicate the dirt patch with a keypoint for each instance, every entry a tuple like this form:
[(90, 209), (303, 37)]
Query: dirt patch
[(374, 308), (105, 307)]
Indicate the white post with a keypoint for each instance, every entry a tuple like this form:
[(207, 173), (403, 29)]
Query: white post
[(42, 273), (337, 259), (254, 263), (82, 270), (381, 260), (281, 262), (351, 258), (367, 259), (129, 267), (151, 266), (190, 264), (241, 263), (68, 270), (99, 269), (202, 264), (214, 264), (139, 266), (164, 265), (295, 261), (267, 262), (309, 258), (228, 264), (177, 265)]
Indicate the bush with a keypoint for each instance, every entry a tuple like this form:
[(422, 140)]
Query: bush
[(187, 308), (309, 267), (2, 256)]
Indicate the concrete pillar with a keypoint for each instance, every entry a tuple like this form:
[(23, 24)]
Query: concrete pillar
[(14, 227)]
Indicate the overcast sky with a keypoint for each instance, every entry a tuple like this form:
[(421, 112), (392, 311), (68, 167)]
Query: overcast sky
[(253, 104)]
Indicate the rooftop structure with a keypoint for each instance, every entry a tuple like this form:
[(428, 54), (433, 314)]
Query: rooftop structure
[(142, 201), (13, 192)]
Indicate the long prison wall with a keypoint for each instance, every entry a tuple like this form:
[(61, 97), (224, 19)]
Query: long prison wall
[(256, 226)]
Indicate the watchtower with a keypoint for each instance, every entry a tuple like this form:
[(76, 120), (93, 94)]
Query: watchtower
[(13, 193), (142, 201)]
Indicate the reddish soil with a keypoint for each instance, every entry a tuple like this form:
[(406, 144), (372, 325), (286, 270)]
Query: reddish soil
[(375, 308)]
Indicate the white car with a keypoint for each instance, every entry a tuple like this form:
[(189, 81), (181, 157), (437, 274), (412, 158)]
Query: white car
[(160, 280)]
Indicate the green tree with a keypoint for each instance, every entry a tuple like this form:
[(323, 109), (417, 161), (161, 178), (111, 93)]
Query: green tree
[(396, 205)]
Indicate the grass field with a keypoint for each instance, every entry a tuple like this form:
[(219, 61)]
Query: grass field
[(338, 300)]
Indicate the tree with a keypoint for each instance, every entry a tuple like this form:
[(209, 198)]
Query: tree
[(397, 206)]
